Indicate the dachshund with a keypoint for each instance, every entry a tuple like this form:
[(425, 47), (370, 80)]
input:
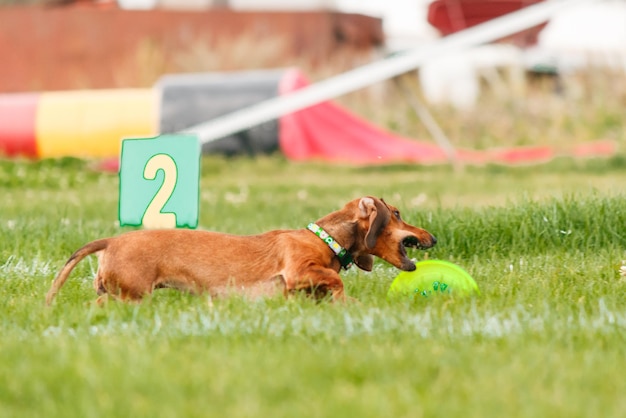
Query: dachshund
[(135, 263)]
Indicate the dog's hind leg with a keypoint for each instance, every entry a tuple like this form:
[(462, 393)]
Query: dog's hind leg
[(98, 284), (108, 286), (103, 294)]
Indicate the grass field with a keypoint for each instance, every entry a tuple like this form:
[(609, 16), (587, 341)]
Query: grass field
[(545, 338)]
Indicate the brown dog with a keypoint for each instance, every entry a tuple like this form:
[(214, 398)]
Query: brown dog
[(135, 263)]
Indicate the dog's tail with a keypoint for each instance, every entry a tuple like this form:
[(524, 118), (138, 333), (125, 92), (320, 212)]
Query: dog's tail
[(83, 252)]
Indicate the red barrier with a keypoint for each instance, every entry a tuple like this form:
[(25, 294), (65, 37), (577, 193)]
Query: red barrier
[(61, 48)]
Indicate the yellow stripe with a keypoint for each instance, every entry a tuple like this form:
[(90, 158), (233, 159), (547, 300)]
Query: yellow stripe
[(92, 123)]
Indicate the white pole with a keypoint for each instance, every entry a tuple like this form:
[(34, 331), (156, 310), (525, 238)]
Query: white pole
[(379, 71)]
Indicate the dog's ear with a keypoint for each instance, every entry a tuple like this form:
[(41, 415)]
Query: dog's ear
[(364, 262), (378, 215)]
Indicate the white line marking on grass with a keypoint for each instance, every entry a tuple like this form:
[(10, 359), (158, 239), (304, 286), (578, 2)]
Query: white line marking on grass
[(429, 323), (21, 267)]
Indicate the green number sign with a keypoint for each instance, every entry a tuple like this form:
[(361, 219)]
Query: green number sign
[(160, 181)]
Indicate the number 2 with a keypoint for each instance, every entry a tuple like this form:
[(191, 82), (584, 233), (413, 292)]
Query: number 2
[(153, 217)]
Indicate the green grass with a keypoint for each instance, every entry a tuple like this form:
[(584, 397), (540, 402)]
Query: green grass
[(544, 338)]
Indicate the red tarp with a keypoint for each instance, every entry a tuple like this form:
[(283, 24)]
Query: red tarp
[(327, 132)]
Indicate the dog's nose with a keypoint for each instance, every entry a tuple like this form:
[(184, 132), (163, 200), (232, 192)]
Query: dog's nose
[(433, 239)]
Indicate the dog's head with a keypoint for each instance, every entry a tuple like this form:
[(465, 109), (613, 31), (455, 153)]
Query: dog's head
[(386, 235)]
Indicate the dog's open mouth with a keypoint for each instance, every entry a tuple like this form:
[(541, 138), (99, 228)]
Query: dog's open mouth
[(409, 242)]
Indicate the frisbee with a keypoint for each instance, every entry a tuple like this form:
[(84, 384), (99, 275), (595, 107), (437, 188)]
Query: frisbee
[(432, 278)]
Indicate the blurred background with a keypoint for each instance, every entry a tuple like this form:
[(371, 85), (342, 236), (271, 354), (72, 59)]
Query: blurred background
[(560, 84)]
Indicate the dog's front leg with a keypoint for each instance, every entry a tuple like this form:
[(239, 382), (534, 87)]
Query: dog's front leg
[(319, 282)]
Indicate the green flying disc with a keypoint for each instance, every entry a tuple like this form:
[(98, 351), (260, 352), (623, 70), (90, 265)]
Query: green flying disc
[(431, 278)]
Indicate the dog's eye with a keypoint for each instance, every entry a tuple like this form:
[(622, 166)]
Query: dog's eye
[(396, 213)]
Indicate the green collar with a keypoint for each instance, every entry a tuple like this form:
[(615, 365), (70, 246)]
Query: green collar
[(344, 256)]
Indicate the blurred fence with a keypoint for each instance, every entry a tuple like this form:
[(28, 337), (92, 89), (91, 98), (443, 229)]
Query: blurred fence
[(73, 47)]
